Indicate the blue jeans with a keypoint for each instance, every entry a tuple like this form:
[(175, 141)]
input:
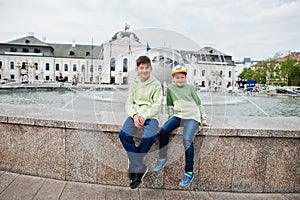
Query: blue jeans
[(190, 126), (137, 153)]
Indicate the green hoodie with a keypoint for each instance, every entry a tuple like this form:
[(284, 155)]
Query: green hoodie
[(145, 98), (185, 103)]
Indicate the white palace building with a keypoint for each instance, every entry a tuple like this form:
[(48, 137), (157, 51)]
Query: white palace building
[(31, 60)]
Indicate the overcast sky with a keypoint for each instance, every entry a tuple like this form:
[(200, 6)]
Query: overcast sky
[(244, 28)]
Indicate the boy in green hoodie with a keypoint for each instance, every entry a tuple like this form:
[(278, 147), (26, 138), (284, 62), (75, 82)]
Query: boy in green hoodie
[(185, 109), (143, 107)]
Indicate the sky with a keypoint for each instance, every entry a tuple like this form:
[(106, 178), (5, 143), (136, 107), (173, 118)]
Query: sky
[(246, 28)]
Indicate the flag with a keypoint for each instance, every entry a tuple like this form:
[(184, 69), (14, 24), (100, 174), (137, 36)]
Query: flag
[(148, 47), (127, 26)]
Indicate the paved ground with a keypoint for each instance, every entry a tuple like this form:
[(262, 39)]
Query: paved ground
[(22, 187)]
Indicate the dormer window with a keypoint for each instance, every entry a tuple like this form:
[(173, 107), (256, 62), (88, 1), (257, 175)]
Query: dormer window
[(87, 53), (27, 41), (211, 51), (13, 49), (71, 53)]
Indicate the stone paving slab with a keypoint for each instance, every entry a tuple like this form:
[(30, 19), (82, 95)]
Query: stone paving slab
[(50, 190), (22, 187), (6, 179), (75, 190)]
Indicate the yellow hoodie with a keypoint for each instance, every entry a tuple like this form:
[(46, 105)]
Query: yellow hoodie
[(145, 98)]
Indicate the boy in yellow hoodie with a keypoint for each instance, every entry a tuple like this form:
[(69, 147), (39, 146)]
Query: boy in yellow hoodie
[(143, 107)]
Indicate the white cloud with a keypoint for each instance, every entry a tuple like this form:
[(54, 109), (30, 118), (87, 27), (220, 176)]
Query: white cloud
[(255, 28)]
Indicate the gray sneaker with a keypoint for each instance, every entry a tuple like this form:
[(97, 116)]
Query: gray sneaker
[(160, 164), (186, 180)]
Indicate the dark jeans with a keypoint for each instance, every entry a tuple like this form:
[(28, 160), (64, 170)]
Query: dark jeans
[(137, 153), (190, 126)]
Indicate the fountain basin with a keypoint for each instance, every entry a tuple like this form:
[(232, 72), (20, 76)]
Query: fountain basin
[(258, 155)]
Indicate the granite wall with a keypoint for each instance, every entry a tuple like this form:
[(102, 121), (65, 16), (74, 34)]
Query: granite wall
[(226, 159)]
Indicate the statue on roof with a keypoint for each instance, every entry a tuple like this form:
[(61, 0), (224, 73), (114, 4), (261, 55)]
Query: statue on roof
[(122, 34)]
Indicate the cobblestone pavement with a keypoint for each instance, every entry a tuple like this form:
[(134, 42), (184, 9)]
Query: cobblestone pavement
[(22, 187)]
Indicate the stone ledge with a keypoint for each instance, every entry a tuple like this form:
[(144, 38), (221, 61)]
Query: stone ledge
[(256, 130), (226, 158)]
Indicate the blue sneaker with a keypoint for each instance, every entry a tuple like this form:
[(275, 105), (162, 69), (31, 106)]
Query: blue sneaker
[(186, 180), (160, 164)]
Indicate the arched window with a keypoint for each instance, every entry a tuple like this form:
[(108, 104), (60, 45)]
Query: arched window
[(203, 84), (125, 64), (112, 64)]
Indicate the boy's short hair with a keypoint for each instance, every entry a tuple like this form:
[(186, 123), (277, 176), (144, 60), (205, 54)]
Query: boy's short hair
[(143, 60)]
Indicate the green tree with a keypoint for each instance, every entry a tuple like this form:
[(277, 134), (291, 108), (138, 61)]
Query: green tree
[(290, 72), (260, 72), (295, 74), (246, 74), (273, 72)]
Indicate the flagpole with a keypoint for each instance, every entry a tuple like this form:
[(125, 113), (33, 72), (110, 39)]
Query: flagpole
[(129, 62)]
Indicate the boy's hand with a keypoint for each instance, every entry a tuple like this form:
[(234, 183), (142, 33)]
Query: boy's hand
[(139, 121)]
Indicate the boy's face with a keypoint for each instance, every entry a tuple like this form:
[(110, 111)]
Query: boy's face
[(144, 71), (179, 79)]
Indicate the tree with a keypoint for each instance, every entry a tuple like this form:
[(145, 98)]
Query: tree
[(274, 72), (295, 74), (290, 71), (246, 73)]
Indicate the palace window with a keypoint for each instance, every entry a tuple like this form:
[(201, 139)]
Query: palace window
[(66, 67), (203, 72), (74, 67), (112, 64), (12, 65), (47, 66), (36, 66), (125, 64)]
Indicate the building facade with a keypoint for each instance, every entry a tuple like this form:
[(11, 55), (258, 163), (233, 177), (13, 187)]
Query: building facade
[(31, 60)]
